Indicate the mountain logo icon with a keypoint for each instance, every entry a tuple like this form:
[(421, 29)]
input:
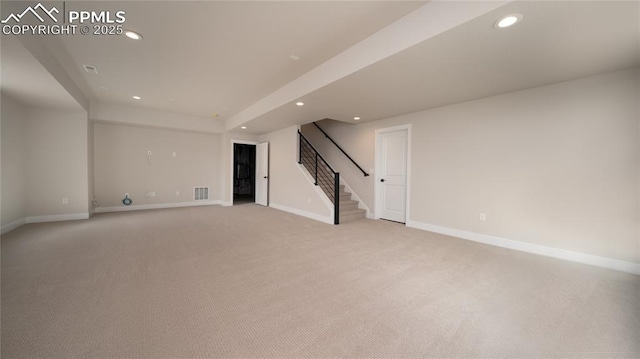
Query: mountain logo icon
[(34, 11)]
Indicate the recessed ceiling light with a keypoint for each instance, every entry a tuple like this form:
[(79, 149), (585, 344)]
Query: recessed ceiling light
[(356, 118), (507, 21), (90, 69), (137, 98), (299, 103), (133, 35), (243, 127)]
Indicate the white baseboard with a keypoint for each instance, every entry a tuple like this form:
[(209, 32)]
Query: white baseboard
[(226, 203), (140, 207), (299, 212), (578, 257), (11, 226), (57, 217)]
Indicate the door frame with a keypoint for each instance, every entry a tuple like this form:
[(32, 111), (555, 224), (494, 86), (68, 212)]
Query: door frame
[(233, 152), (268, 151), (377, 197)]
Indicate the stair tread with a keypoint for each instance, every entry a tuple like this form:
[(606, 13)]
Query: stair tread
[(352, 217), (347, 207), (352, 211), (347, 200)]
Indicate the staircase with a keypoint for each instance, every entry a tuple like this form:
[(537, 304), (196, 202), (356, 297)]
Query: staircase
[(328, 180), (349, 210)]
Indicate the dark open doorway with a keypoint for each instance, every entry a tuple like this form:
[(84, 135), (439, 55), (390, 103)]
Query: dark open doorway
[(244, 173)]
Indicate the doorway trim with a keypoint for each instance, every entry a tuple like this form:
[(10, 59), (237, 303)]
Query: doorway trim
[(231, 179), (377, 196)]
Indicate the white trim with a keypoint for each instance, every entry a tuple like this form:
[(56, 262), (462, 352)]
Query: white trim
[(231, 179), (226, 203), (558, 253), (376, 183), (157, 206), (317, 217), (57, 217), (260, 150), (13, 225), (323, 196), (356, 198)]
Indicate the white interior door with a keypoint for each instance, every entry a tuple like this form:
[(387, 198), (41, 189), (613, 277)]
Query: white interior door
[(262, 174), (392, 175)]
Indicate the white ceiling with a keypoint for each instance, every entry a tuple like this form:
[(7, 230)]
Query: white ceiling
[(555, 42), (202, 57), (26, 80)]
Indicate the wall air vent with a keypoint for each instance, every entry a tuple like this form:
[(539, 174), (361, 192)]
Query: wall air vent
[(200, 193), (90, 69)]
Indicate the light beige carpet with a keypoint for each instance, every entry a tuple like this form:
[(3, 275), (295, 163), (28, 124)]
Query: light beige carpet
[(249, 281)]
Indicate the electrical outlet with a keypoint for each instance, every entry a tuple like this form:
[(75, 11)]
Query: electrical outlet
[(483, 217), (148, 153), (65, 200)]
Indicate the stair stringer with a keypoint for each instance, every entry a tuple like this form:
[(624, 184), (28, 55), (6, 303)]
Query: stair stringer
[(323, 196)]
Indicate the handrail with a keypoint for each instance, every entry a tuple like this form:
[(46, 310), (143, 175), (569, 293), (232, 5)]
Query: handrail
[(341, 150), (316, 151), (324, 177)]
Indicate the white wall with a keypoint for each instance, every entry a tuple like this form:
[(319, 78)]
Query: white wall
[(556, 166), (44, 159), (142, 117), (122, 165), (288, 186), (13, 147), (57, 164)]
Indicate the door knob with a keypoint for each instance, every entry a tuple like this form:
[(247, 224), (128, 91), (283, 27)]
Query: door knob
[(265, 177), (382, 180)]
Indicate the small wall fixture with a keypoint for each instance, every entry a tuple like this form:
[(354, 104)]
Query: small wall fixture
[(299, 103), (508, 21), (133, 35)]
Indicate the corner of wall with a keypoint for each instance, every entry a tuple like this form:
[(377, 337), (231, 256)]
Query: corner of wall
[(289, 189)]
